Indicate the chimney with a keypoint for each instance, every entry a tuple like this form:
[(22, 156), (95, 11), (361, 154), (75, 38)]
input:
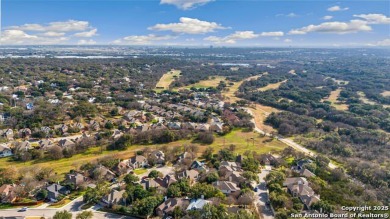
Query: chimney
[(56, 187), (165, 198), (202, 196)]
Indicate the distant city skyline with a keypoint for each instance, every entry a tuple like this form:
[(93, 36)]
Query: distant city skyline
[(260, 23)]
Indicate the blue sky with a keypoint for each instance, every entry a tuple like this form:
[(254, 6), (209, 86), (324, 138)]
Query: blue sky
[(317, 23)]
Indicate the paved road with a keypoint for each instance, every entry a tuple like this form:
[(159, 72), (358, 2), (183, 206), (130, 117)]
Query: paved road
[(288, 142), (72, 207), (262, 195)]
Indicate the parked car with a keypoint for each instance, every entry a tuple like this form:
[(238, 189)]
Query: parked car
[(23, 209)]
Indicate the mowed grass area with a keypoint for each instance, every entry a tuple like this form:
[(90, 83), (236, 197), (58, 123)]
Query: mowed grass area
[(63, 165), (386, 93), (273, 86), (334, 95), (213, 81), (230, 94), (167, 79), (251, 141), (364, 99), (236, 137), (260, 113)]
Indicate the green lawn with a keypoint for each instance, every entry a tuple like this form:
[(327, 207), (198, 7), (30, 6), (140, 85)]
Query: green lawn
[(242, 141), (140, 171)]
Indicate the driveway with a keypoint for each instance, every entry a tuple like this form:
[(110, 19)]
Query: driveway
[(165, 170), (262, 195)]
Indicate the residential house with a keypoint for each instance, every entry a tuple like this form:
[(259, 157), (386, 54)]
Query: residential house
[(45, 129), (298, 187), (189, 125), (174, 125), (62, 128), (138, 161), (7, 194), (268, 159), (104, 172), (306, 173), (170, 204), (150, 183), (301, 164), (200, 166), (24, 133), (75, 179), (294, 180), (5, 151), (114, 197), (123, 167), (157, 157), (79, 126), (197, 204), (55, 190), (116, 134), (203, 127), (24, 145), (45, 144), (216, 127), (226, 187), (230, 166), (192, 175), (65, 143), (234, 176), (94, 125), (8, 134), (166, 181), (186, 156)]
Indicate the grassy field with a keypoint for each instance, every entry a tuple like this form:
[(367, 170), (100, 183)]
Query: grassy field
[(260, 113), (334, 102), (140, 171), (248, 141), (62, 166), (167, 79), (230, 94), (386, 93), (273, 86), (211, 82)]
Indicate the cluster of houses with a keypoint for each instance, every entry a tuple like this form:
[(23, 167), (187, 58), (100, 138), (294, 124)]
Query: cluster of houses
[(299, 186)]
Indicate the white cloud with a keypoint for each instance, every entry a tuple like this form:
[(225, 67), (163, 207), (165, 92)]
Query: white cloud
[(60, 26), (292, 14), (287, 40), (189, 26), (242, 35), (337, 8), (232, 38), (374, 18), (186, 4), (59, 32), (327, 17), (141, 39), (272, 34), (19, 37), (385, 42), (86, 42), (352, 26), (90, 33), (53, 34)]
